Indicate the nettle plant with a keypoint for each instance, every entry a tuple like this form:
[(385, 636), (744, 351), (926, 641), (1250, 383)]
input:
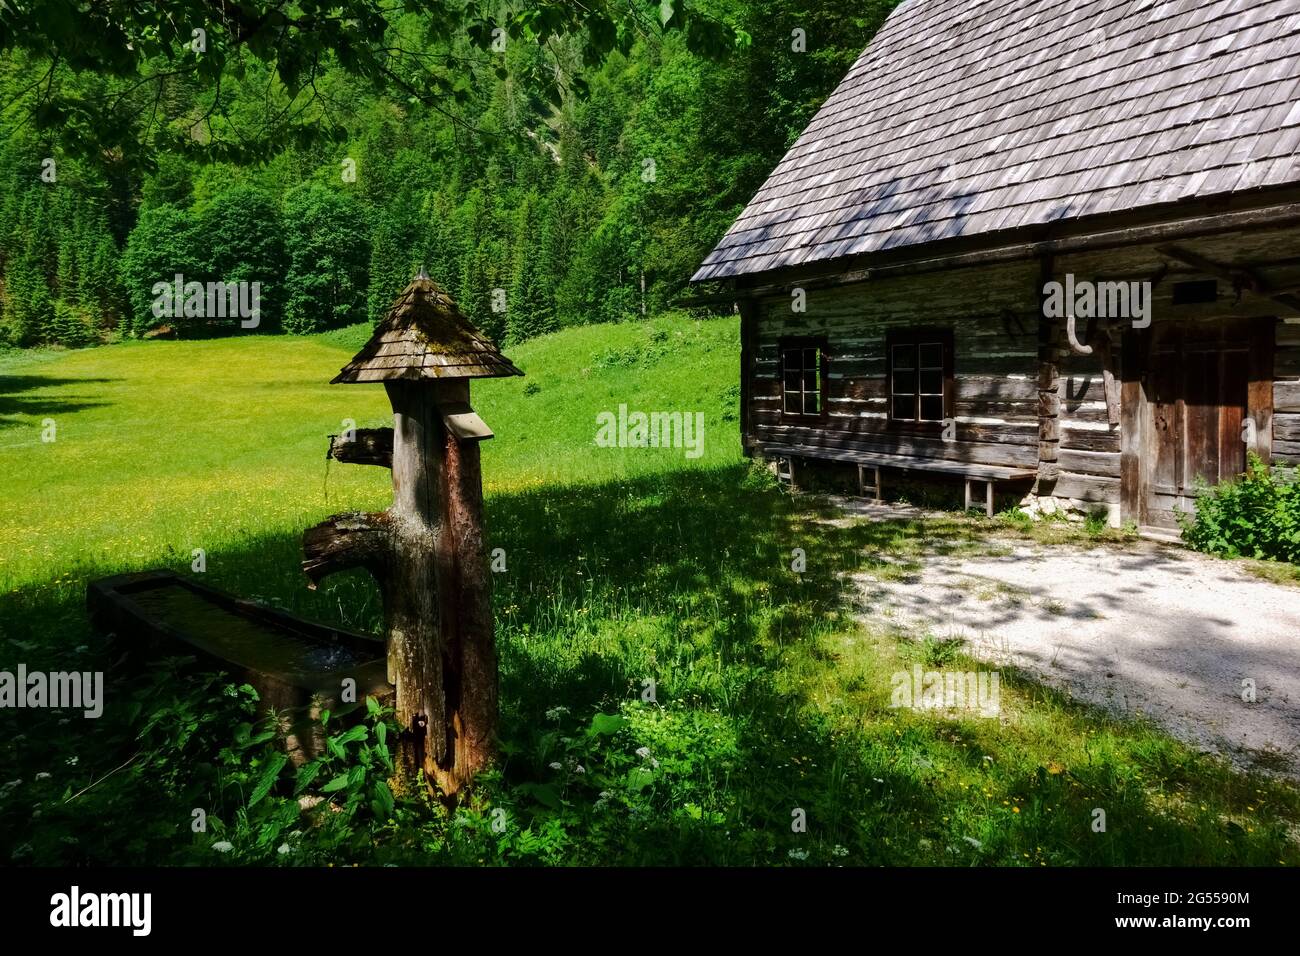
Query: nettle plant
[(272, 804), (1256, 516), (250, 802)]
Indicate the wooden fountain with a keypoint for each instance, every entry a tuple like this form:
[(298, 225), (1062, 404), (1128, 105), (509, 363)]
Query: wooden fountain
[(427, 550)]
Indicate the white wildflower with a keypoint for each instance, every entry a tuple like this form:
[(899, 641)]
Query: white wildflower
[(223, 846)]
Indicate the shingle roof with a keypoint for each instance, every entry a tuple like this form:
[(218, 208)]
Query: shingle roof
[(966, 117), (426, 336)]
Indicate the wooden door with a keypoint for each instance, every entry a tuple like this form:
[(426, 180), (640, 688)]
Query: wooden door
[(1197, 380)]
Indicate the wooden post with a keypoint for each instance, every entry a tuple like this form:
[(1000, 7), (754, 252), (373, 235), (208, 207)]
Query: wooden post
[(1259, 390), (749, 312), (437, 595), (417, 574), (427, 550), (1135, 454), (471, 644), (1049, 399)]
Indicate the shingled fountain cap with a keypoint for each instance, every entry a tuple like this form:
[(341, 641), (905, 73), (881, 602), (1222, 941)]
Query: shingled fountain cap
[(425, 336)]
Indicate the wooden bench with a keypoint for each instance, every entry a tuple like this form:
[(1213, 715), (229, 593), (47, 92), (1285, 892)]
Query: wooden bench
[(989, 475)]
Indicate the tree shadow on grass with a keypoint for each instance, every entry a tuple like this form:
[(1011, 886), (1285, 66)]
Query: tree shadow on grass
[(14, 405), (687, 580)]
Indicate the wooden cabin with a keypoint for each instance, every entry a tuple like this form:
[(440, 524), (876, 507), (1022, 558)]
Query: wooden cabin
[(893, 273)]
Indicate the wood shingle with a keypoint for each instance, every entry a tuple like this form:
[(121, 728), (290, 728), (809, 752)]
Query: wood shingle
[(426, 336), (967, 117)]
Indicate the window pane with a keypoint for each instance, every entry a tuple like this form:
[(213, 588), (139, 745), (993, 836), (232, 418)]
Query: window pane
[(810, 405), (811, 359), (931, 408), (932, 382), (810, 380), (905, 407), (792, 359), (904, 383), (904, 356), (792, 402), (793, 380), (931, 355)]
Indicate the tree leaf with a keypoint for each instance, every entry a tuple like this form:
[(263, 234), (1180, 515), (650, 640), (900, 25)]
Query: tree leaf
[(270, 774), (543, 793), (306, 774), (605, 724), (338, 783), (359, 732)]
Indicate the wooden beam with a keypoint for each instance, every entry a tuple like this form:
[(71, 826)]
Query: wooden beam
[(748, 354), (1110, 385), (1049, 398), (706, 299), (1130, 429), (1241, 277), (850, 273), (1259, 387), (346, 541), (368, 446)]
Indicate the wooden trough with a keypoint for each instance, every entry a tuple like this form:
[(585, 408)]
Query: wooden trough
[(297, 667)]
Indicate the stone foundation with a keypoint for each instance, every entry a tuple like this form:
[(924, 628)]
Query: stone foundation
[(1072, 509)]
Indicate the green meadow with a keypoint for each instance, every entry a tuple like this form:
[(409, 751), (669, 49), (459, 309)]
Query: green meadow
[(672, 691)]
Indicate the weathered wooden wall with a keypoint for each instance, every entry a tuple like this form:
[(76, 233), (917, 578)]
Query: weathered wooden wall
[(992, 312), (1286, 394), (999, 367), (1272, 255)]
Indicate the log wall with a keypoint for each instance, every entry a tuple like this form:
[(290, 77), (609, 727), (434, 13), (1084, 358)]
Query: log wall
[(992, 313), (1020, 393)]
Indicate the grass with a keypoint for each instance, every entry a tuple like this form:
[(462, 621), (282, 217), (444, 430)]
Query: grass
[(631, 573), (1275, 572), (208, 443)]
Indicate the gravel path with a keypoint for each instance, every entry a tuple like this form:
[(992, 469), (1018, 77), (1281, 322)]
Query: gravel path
[(1150, 628)]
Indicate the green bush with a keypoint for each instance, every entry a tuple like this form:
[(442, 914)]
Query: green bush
[(1256, 516)]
